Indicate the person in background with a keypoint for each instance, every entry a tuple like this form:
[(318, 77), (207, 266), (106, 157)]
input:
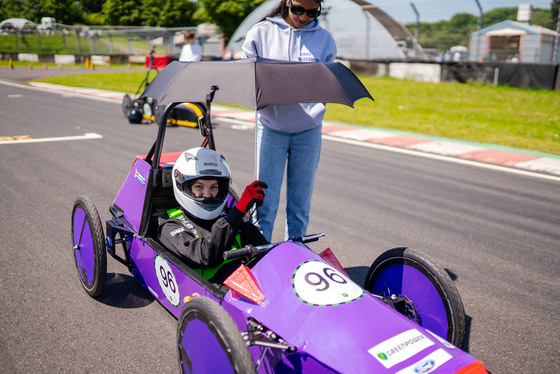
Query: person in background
[(289, 134), (457, 57), (191, 51)]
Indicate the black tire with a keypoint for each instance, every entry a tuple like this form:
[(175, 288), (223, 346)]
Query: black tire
[(386, 273), (126, 104), (90, 256), (217, 327)]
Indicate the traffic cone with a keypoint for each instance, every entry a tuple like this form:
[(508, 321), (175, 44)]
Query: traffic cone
[(108, 66), (59, 66), (129, 66), (30, 67), (10, 63), (91, 65), (87, 63), (45, 66)]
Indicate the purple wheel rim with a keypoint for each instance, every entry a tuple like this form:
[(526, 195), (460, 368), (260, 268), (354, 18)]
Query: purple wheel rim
[(433, 308), (83, 247), (200, 350)]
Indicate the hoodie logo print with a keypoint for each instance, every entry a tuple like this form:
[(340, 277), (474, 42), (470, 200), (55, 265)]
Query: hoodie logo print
[(306, 56)]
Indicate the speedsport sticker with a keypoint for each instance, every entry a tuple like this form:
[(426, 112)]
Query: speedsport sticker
[(319, 284)]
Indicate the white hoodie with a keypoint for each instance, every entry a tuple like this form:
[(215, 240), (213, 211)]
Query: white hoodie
[(274, 38)]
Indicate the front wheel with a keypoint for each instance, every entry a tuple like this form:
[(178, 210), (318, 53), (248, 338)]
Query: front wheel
[(209, 340), (433, 300), (88, 246)]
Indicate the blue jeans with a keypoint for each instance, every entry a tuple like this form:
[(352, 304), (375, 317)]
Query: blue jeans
[(302, 151)]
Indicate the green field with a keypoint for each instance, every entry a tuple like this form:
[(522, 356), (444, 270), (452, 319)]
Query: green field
[(510, 117)]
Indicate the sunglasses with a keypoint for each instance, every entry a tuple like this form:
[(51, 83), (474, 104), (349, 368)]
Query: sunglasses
[(299, 10)]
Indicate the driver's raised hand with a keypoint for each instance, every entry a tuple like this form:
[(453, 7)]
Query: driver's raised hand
[(252, 196)]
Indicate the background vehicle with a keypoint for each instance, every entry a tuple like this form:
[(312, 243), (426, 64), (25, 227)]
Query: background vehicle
[(138, 110)]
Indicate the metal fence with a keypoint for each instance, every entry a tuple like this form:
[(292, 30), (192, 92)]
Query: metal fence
[(65, 39)]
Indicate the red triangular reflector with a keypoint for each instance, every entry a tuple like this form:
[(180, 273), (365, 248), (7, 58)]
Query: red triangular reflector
[(242, 282), (329, 256), (474, 368)]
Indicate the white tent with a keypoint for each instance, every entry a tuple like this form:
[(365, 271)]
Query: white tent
[(17, 23), (362, 31)]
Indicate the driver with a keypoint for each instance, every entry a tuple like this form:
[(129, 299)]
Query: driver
[(200, 230)]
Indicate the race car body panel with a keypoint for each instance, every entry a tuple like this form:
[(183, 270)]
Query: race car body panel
[(132, 192), (169, 281), (317, 309)]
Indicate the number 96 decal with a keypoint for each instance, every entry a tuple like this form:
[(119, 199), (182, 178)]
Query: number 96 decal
[(319, 284), (167, 281)]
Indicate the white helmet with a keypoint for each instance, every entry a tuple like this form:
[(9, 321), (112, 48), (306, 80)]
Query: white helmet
[(197, 163)]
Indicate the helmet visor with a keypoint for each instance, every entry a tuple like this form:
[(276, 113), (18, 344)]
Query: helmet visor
[(185, 186)]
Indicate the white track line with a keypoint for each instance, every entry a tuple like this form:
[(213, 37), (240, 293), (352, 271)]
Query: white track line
[(444, 158), (86, 136)]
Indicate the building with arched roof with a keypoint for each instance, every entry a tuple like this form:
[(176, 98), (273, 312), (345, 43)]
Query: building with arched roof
[(362, 31)]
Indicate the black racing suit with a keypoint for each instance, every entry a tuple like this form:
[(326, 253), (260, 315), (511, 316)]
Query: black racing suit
[(202, 245)]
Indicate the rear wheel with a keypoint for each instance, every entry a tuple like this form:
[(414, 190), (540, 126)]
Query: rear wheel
[(126, 104), (209, 340), (432, 300), (88, 246)]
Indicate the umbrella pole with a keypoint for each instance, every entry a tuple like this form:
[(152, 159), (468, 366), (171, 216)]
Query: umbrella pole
[(254, 213), (256, 161)]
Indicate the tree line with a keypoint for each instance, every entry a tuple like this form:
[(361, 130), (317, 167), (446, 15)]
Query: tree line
[(228, 14)]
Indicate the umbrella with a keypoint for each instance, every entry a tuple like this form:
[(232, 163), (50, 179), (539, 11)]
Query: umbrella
[(256, 82)]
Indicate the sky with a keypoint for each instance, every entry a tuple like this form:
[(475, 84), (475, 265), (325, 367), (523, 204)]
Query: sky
[(437, 10)]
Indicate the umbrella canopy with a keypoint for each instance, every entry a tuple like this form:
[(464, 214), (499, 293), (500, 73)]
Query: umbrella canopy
[(256, 82)]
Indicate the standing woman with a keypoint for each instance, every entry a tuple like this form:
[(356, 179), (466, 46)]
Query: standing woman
[(191, 51), (292, 132)]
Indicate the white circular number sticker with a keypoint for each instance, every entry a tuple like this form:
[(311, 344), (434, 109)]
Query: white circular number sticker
[(167, 280), (317, 283)]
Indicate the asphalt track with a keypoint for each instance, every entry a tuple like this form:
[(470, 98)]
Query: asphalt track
[(495, 230)]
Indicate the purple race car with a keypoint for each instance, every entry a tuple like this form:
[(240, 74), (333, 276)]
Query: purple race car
[(286, 309)]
